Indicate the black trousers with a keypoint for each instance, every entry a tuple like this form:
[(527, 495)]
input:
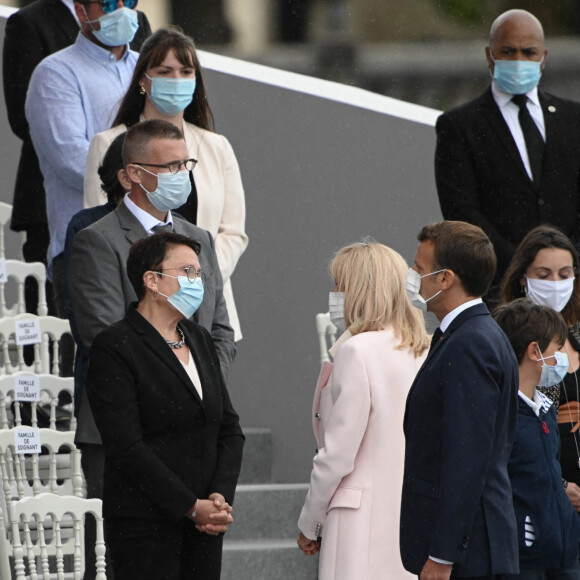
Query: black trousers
[(150, 549)]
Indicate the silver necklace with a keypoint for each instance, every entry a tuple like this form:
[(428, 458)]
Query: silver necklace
[(563, 386), (172, 343)]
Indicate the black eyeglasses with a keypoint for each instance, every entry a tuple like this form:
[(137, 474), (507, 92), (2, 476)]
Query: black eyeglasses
[(173, 166), (111, 5)]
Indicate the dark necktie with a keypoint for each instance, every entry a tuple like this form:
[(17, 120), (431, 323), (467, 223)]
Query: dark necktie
[(436, 337), (159, 228), (534, 142)]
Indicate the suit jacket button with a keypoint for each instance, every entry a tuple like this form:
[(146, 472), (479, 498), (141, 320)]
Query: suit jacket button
[(317, 415), (540, 202)]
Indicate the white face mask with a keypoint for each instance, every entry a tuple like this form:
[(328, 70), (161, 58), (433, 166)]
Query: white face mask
[(336, 310), (413, 287), (552, 293)]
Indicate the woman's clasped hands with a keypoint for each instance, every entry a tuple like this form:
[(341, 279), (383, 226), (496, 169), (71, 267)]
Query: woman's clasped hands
[(213, 515)]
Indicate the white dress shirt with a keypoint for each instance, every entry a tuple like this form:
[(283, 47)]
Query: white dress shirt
[(145, 218), (450, 316)]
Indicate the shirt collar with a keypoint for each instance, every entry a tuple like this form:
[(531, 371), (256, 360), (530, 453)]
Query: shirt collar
[(451, 316), (502, 98), (539, 402), (98, 53), (145, 218)]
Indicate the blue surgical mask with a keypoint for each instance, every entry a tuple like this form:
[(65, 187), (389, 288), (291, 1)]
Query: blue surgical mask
[(172, 190), (552, 375), (117, 27), (189, 296), (517, 77), (171, 96)]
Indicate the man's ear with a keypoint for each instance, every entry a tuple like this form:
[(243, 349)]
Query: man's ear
[(447, 278), (490, 62), (133, 174), (81, 13), (533, 352), (124, 180)]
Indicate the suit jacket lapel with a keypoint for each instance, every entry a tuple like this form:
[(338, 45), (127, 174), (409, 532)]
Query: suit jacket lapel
[(493, 114), (554, 131), (159, 349), (63, 19), (460, 319), (130, 225)]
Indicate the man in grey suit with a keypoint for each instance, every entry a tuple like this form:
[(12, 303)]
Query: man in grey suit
[(155, 159)]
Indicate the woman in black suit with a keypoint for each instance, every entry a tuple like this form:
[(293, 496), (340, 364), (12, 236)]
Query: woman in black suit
[(172, 439)]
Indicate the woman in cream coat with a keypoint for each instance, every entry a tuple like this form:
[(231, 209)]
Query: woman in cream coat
[(168, 58), (351, 513)]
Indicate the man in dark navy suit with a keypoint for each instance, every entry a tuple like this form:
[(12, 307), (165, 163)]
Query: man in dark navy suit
[(457, 517), (510, 159)]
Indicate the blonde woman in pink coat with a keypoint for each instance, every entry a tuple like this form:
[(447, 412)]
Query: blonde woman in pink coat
[(351, 513)]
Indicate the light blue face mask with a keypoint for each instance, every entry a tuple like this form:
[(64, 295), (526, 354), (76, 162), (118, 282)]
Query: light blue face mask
[(171, 96), (189, 296), (117, 27), (517, 77), (172, 190), (552, 375)]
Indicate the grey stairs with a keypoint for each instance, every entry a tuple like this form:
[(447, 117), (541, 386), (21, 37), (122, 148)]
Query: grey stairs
[(261, 544)]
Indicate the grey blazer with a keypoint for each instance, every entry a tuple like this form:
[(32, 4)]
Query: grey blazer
[(101, 291)]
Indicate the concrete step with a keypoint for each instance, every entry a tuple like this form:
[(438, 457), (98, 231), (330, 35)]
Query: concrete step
[(267, 560), (266, 512), (257, 462)]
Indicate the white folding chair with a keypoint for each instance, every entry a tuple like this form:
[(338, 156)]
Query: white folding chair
[(29, 518), (19, 271), (33, 474), (50, 387), (326, 335), (51, 330)]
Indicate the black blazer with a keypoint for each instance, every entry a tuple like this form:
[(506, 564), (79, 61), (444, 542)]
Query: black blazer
[(482, 180), (33, 33), (164, 446), (459, 428)]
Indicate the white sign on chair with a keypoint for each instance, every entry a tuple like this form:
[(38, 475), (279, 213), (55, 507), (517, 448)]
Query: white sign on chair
[(26, 440), (28, 331)]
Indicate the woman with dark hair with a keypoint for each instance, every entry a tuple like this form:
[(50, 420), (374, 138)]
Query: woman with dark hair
[(168, 84), (544, 269), (172, 439)]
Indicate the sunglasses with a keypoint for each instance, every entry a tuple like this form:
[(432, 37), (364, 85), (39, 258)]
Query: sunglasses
[(111, 5)]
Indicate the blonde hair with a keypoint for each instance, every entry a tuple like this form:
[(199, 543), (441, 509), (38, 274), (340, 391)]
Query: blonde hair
[(372, 277)]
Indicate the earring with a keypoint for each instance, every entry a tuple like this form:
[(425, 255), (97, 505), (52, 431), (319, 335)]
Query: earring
[(142, 90), (155, 295)]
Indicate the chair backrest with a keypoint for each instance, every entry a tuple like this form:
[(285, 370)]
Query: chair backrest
[(31, 474), (5, 217), (19, 271), (32, 513), (326, 335), (50, 387), (45, 359), (34, 474)]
